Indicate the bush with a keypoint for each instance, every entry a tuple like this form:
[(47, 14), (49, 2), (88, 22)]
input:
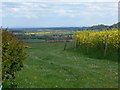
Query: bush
[(13, 55)]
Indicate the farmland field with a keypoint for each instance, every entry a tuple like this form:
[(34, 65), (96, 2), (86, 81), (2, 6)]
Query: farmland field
[(49, 66), (59, 44)]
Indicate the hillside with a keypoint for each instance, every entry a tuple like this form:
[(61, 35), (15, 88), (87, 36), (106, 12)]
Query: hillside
[(94, 27)]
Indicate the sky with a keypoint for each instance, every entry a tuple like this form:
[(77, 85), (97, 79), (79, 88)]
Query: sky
[(57, 13)]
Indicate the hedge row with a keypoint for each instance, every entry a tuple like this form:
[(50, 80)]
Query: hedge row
[(13, 55)]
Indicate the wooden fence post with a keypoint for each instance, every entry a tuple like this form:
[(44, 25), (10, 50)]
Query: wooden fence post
[(106, 45), (77, 43), (88, 42), (66, 43), (74, 41)]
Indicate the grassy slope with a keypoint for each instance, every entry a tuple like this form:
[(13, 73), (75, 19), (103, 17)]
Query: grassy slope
[(48, 66)]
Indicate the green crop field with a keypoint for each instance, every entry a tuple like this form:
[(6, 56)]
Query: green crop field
[(49, 66)]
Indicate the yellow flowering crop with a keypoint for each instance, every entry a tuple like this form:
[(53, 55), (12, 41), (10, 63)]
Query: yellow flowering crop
[(97, 37), (38, 33)]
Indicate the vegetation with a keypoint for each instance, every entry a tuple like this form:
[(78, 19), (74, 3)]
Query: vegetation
[(95, 38), (49, 66), (99, 27), (88, 62), (13, 56), (0, 57), (104, 43)]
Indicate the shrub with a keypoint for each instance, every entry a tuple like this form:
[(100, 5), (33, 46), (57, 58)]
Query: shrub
[(13, 55)]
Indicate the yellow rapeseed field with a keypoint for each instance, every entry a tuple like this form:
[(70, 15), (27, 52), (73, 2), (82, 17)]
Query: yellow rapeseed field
[(38, 33), (93, 38)]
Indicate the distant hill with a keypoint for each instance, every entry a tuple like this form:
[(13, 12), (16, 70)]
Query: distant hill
[(99, 27), (95, 27), (102, 27), (115, 25)]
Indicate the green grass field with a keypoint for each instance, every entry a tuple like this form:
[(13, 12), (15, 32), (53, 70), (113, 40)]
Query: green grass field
[(48, 66)]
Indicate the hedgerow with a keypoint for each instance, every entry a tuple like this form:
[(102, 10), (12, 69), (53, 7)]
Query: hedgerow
[(13, 55)]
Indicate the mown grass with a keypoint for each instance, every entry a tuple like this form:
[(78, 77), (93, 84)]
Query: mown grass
[(49, 66), (97, 52)]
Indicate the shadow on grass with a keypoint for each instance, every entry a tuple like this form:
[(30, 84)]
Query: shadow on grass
[(96, 52)]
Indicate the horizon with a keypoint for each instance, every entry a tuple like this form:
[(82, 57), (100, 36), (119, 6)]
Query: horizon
[(61, 26)]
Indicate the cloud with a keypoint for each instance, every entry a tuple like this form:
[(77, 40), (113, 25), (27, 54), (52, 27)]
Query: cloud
[(60, 1), (15, 9), (34, 10), (48, 13)]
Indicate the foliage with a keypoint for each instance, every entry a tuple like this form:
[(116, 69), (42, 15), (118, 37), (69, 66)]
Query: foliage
[(98, 44), (93, 38), (13, 55)]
